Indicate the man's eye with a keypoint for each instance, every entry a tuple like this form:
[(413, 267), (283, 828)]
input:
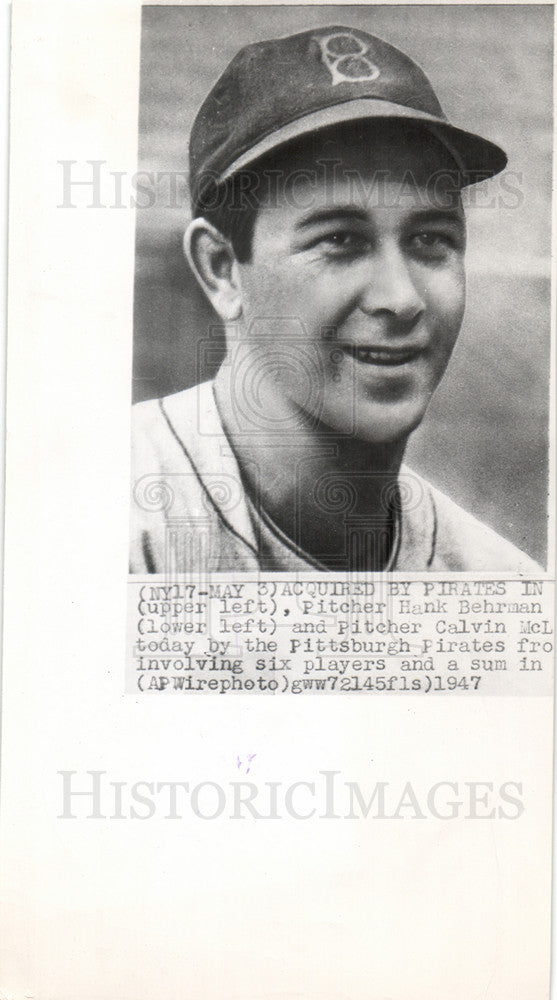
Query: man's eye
[(342, 242), (435, 244), (429, 239)]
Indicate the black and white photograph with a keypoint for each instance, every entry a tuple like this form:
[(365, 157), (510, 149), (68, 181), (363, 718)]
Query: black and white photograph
[(279, 586), (342, 292)]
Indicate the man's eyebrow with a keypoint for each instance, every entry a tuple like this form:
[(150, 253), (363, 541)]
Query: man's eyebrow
[(337, 212), (439, 215), (331, 214)]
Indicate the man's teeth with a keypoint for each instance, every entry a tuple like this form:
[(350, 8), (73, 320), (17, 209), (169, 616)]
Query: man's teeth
[(370, 356), (366, 355), (363, 355)]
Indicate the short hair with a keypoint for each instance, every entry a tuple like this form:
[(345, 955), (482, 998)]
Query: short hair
[(231, 207)]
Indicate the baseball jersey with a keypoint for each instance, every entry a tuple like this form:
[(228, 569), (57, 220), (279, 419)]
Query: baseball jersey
[(190, 511)]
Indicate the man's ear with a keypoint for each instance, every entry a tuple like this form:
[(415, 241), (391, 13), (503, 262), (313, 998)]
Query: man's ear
[(211, 258)]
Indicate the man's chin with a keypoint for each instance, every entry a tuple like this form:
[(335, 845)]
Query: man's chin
[(385, 434), (378, 426)]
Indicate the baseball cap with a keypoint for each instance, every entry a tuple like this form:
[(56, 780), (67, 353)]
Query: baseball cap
[(279, 90)]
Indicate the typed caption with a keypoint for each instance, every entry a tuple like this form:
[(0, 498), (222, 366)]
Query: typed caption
[(301, 636)]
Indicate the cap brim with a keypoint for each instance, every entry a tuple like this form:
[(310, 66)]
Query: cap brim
[(476, 158)]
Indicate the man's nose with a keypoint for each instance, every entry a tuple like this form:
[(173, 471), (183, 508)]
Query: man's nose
[(391, 290)]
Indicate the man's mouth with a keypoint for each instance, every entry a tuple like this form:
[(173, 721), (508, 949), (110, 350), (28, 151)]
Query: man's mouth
[(381, 355)]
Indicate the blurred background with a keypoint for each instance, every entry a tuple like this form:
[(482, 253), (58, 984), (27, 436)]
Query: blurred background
[(485, 438)]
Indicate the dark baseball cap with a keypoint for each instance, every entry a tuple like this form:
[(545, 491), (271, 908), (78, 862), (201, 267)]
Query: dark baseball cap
[(276, 91)]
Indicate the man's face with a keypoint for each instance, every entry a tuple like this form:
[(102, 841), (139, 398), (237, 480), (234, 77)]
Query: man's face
[(354, 295)]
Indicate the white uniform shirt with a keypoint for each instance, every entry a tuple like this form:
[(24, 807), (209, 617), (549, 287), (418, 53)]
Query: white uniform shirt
[(190, 511)]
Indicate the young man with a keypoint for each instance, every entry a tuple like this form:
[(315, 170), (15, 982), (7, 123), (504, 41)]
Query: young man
[(329, 236)]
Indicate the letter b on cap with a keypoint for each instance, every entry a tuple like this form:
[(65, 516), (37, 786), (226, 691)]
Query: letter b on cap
[(345, 56)]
